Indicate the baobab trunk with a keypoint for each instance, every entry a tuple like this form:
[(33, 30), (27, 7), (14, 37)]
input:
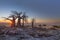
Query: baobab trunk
[(13, 23), (19, 23), (33, 22), (23, 22)]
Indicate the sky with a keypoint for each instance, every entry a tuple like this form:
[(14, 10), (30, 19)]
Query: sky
[(44, 10)]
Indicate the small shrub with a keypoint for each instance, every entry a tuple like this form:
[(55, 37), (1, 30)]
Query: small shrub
[(39, 25), (44, 24), (56, 26)]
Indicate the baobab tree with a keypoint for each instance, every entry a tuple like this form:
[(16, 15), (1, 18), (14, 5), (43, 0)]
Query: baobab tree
[(12, 20), (24, 19), (33, 21), (18, 16)]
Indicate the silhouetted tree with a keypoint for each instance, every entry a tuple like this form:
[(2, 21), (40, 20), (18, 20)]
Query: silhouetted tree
[(33, 21), (18, 15), (24, 19), (12, 20)]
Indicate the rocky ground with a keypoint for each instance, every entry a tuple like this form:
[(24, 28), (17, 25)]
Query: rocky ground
[(29, 34)]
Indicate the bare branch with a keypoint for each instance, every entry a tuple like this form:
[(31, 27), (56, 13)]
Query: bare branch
[(6, 18)]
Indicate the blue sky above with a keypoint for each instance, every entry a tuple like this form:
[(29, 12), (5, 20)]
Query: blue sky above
[(44, 9)]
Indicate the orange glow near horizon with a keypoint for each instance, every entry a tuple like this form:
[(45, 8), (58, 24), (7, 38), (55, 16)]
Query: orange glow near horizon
[(36, 20), (5, 21), (47, 21)]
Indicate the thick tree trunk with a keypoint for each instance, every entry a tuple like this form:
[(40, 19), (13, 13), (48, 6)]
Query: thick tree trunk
[(13, 23), (23, 23), (19, 23), (32, 24)]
